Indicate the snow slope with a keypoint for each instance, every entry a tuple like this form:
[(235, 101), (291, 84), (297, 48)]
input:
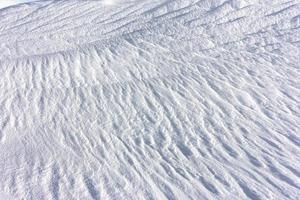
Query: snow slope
[(164, 99), (7, 3)]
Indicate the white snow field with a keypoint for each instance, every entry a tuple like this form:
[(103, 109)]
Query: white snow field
[(150, 99)]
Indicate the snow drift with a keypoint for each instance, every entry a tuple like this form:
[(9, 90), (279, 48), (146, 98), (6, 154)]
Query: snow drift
[(150, 100)]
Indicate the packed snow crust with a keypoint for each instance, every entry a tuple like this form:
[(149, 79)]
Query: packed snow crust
[(163, 99)]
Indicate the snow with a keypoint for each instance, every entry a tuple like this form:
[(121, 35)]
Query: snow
[(185, 99), (7, 3)]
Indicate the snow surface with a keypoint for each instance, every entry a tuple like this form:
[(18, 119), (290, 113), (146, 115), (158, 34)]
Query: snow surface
[(7, 3), (164, 99)]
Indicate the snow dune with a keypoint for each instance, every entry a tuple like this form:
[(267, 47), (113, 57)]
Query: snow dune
[(151, 99)]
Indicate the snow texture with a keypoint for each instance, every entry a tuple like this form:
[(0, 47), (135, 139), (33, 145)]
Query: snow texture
[(7, 3), (150, 99)]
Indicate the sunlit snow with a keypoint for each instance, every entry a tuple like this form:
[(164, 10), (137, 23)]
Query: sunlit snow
[(150, 99), (6, 3)]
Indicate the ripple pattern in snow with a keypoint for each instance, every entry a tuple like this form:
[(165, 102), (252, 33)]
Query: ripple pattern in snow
[(175, 99)]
